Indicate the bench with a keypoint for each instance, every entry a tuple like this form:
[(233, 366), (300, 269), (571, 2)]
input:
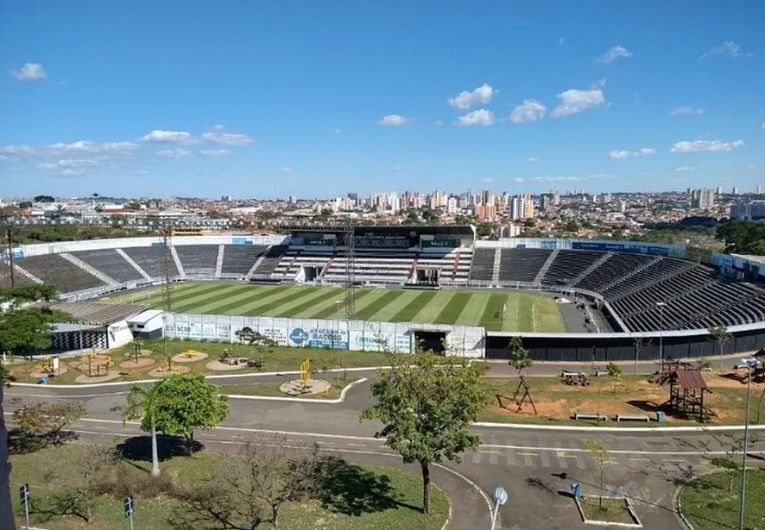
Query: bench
[(632, 417), (590, 416)]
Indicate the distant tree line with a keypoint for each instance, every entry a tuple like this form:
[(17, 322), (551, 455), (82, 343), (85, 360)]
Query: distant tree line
[(26, 234), (743, 237)]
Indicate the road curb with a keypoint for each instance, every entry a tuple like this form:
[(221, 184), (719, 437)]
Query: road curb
[(583, 428), (335, 401)]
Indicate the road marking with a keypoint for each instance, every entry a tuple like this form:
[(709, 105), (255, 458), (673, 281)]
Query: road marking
[(640, 459), (560, 454), (522, 453)]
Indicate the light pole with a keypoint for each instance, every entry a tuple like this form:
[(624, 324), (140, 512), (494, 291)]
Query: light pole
[(751, 362), (661, 306), (500, 498)]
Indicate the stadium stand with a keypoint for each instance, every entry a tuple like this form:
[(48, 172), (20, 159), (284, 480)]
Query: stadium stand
[(483, 264), (109, 262), (55, 270), (568, 265), (152, 260), (5, 277), (198, 260), (521, 264), (239, 259), (270, 261)]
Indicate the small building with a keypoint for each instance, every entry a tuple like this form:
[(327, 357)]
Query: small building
[(147, 325), (96, 325)]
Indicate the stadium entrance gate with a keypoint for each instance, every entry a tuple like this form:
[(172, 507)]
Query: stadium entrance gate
[(430, 340)]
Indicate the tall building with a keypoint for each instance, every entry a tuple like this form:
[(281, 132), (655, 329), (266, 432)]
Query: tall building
[(451, 205), (734, 191), (748, 211), (521, 207), (703, 198), (758, 189)]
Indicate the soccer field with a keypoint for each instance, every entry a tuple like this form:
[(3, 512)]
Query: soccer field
[(522, 311)]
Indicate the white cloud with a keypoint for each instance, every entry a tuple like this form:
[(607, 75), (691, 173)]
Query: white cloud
[(487, 180), (92, 148), (533, 159), (438, 123), (622, 154), (214, 152), (141, 172), (286, 170), (466, 99), (29, 72), (393, 120), (217, 136), (684, 168), (594, 176), (712, 146), (728, 48), (574, 101), (477, 117), (14, 151), (617, 52), (686, 110), (174, 153), (529, 110), (162, 136), (69, 167)]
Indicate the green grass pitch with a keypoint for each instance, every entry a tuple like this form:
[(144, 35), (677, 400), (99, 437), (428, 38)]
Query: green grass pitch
[(494, 310)]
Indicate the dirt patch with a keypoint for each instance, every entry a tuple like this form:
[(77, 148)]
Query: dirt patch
[(84, 379), (163, 371), (190, 357), (142, 362), (218, 366)]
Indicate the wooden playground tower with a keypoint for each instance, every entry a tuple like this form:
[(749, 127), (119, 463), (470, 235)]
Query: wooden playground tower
[(687, 389)]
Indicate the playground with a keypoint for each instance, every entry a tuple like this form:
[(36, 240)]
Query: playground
[(627, 399)]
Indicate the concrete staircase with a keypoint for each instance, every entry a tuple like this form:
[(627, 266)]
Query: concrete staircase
[(495, 268), (90, 269), (133, 264), (219, 260), (543, 268), (601, 260)]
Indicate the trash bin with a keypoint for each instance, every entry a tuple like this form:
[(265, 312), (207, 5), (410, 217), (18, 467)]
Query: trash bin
[(661, 416), (43, 380)]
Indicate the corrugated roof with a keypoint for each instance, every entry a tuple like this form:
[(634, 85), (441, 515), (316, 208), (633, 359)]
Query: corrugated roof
[(99, 313), (690, 379)]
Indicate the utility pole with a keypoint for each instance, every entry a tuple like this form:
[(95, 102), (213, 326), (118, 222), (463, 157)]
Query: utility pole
[(8, 233), (167, 286), (350, 278), (750, 363)]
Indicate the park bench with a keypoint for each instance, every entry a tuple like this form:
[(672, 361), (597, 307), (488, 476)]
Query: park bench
[(632, 417), (590, 416)]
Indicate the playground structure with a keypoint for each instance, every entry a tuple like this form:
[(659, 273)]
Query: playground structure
[(305, 385), (305, 372), (97, 365), (687, 390), (228, 358), (575, 378), (523, 385)]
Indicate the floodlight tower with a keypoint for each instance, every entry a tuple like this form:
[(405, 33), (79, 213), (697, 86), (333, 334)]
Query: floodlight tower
[(167, 287), (8, 233), (350, 269)]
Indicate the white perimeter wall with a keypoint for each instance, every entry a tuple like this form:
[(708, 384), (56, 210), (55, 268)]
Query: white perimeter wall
[(97, 244), (333, 334)]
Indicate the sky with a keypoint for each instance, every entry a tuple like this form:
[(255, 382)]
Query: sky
[(319, 98)]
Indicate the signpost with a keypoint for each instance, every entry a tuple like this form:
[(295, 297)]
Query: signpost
[(500, 498), (129, 507), (24, 498)]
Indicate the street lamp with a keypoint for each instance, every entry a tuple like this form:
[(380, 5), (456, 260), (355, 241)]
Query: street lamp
[(750, 363), (500, 498), (661, 306)]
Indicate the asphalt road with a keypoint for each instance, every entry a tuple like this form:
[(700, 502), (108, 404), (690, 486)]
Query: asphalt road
[(536, 465)]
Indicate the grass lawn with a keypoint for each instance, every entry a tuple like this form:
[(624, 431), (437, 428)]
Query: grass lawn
[(278, 358), (556, 402), (710, 502), (369, 497), (611, 510), (495, 310)]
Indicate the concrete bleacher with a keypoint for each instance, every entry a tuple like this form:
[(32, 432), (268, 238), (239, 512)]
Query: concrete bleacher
[(239, 259), (111, 263), (569, 264), (198, 260), (616, 266), (483, 264), (270, 261), (63, 274), (152, 260), (521, 264), (5, 276)]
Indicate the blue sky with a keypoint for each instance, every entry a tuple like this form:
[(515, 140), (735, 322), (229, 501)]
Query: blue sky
[(319, 98)]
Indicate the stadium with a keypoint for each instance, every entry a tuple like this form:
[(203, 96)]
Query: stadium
[(374, 287)]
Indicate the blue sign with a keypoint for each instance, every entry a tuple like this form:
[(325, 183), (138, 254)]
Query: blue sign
[(240, 241), (298, 336), (24, 493), (576, 490), (637, 248), (128, 506)]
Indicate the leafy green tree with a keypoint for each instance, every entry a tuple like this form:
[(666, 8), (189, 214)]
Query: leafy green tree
[(427, 404), (719, 336), (180, 404), (519, 356), (25, 331)]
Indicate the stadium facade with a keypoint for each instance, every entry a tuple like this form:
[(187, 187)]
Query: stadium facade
[(647, 294)]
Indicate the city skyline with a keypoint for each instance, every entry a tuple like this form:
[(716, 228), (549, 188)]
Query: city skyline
[(263, 101)]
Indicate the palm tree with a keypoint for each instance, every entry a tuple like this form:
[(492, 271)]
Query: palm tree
[(141, 403)]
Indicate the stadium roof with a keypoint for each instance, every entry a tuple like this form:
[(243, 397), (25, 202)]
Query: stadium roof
[(98, 314), (462, 229)]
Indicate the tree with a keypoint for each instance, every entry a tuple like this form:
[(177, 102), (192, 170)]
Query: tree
[(249, 489), (427, 405), (182, 403), (25, 331), (602, 458), (47, 420), (719, 336), (639, 343), (519, 356)]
